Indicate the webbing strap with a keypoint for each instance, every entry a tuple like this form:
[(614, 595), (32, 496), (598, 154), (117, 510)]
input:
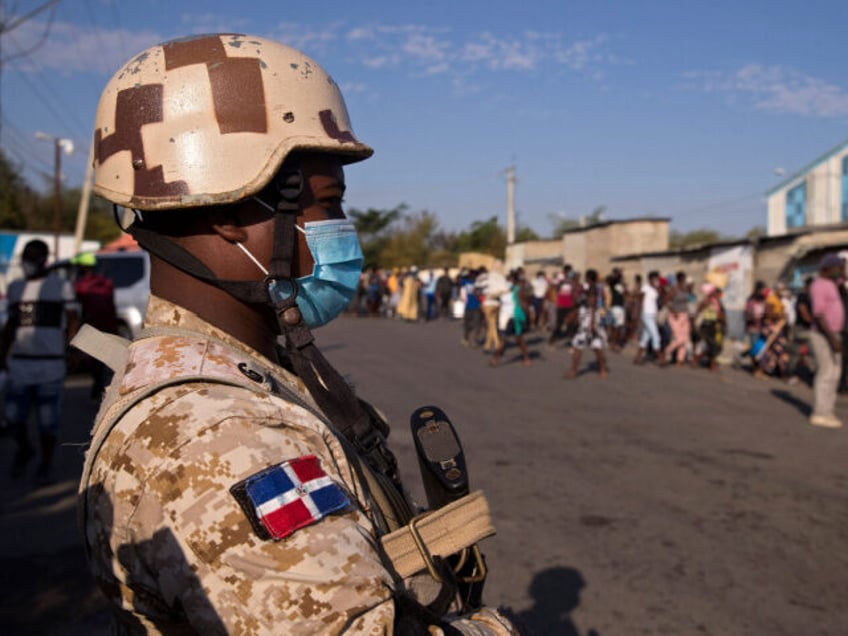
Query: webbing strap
[(339, 403), (174, 254), (110, 349), (442, 532)]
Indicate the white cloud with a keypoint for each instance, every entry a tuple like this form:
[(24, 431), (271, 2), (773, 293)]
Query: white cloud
[(500, 54), (70, 48), (360, 33), (776, 89), (214, 23), (311, 41), (578, 55), (381, 61), (477, 51), (425, 47), (426, 50), (416, 50), (348, 88)]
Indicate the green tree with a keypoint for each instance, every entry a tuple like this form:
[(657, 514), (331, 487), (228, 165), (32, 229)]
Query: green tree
[(484, 236), (700, 236), (561, 224), (23, 208), (15, 196), (526, 234), (595, 216), (411, 244), (372, 226), (756, 232), (101, 224)]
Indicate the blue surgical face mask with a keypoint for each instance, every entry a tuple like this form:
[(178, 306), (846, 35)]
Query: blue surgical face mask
[(326, 292)]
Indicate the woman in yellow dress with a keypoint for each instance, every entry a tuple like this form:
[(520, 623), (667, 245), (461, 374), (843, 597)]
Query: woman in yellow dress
[(408, 306)]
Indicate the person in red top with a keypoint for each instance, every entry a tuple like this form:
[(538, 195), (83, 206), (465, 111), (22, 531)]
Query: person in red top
[(564, 284), (828, 322), (96, 295)]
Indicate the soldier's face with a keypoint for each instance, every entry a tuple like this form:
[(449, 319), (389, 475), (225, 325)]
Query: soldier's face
[(323, 190), (323, 193)]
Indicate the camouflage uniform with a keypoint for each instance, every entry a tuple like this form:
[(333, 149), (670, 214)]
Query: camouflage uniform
[(169, 544)]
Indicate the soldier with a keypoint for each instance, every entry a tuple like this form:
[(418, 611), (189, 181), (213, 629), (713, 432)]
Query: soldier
[(235, 484)]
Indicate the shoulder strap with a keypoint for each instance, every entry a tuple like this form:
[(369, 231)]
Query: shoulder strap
[(110, 349)]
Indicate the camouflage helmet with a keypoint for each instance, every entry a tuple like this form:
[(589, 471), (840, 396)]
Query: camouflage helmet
[(208, 120)]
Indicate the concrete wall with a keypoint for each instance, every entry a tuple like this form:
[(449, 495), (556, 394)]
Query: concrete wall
[(535, 255), (775, 259), (475, 260), (595, 247), (771, 258), (824, 192), (639, 236), (776, 204), (574, 249), (695, 264)]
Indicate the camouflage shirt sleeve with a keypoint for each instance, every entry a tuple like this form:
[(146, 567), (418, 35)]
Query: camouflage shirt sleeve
[(173, 544)]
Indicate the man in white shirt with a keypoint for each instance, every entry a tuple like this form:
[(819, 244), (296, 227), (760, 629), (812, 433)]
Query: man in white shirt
[(650, 332), (540, 289), (42, 316)]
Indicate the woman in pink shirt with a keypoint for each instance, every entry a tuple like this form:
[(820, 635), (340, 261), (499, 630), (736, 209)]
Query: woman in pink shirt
[(828, 321)]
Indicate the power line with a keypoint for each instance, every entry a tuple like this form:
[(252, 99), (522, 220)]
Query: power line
[(61, 116), (97, 35), (14, 24), (77, 38), (22, 144), (8, 27), (721, 204), (115, 15), (44, 35), (117, 21)]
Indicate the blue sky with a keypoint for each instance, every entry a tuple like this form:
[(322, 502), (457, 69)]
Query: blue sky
[(678, 109)]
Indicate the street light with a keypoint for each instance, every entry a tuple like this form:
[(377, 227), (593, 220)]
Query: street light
[(59, 145)]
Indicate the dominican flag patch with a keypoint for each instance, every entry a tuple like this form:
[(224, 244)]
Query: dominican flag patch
[(289, 496)]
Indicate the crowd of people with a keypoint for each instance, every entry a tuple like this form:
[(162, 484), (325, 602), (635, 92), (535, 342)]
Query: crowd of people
[(663, 316), (666, 319)]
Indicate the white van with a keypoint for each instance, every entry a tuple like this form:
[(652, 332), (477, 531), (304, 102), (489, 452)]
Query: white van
[(130, 273)]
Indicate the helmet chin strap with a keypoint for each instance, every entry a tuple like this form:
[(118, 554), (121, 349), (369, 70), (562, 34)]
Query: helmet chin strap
[(251, 292), (325, 384)]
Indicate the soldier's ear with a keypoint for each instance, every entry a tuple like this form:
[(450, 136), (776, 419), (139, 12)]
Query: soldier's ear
[(226, 223)]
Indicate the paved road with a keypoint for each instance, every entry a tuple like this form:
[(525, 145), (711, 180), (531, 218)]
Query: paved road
[(659, 501)]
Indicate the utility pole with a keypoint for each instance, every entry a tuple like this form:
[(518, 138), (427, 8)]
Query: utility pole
[(57, 196), (82, 211), (59, 144), (510, 205)]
